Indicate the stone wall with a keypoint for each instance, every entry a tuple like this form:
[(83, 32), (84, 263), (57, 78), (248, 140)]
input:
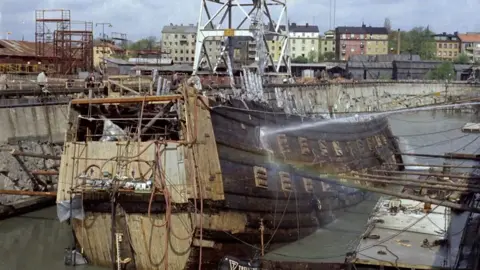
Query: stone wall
[(368, 97)]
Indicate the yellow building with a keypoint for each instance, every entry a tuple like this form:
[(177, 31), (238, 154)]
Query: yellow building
[(104, 50), (377, 40), (448, 46)]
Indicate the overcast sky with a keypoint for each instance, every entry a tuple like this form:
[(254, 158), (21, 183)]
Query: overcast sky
[(141, 18)]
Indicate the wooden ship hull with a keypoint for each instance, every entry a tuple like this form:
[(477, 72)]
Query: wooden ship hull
[(194, 179)]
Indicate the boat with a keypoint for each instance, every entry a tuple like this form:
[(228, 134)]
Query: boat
[(185, 180)]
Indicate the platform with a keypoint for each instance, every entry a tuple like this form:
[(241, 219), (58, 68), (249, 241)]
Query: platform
[(471, 128)]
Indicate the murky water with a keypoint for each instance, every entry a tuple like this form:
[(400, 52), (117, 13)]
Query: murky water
[(37, 240)]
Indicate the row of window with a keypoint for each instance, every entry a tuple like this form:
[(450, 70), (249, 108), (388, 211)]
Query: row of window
[(361, 36), (448, 45), (181, 59), (450, 54)]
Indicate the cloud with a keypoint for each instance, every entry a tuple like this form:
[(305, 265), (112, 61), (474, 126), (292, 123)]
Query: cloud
[(140, 18)]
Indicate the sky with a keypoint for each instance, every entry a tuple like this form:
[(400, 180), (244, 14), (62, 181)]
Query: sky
[(142, 18)]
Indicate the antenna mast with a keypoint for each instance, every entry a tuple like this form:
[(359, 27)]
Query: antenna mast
[(255, 22)]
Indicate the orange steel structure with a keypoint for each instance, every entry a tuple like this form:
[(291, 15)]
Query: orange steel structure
[(70, 49)]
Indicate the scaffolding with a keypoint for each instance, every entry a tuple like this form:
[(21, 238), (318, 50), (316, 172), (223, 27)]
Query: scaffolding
[(265, 21), (70, 49)]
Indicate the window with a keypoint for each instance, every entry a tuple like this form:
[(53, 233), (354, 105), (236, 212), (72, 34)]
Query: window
[(313, 41), (455, 46), (361, 36), (352, 35), (181, 51), (293, 49), (176, 36), (293, 55), (449, 53), (439, 45), (176, 58), (303, 48), (325, 43), (303, 41), (186, 51), (193, 59), (344, 36), (450, 45), (181, 58), (293, 41), (325, 48), (176, 51), (445, 45)]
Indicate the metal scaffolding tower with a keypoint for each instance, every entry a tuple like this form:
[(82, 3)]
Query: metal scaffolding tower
[(263, 21)]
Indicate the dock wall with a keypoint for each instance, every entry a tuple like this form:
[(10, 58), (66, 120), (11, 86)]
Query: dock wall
[(32, 121), (369, 97)]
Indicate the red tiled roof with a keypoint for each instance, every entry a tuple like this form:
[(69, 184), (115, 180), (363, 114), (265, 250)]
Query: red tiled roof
[(21, 48), (469, 37)]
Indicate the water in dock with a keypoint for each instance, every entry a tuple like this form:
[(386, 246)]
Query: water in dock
[(37, 240)]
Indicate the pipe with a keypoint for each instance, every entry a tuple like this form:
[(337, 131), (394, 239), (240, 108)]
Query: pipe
[(409, 196), (433, 182), (29, 193), (428, 174), (44, 172), (446, 156), (432, 166), (29, 154), (402, 183)]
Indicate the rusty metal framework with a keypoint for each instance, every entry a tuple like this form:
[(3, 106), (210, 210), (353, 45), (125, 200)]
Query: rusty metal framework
[(71, 49), (120, 37)]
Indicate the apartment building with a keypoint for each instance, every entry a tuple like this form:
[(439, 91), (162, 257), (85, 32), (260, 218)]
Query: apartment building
[(470, 45), (364, 40), (304, 39), (179, 41), (327, 42), (448, 46)]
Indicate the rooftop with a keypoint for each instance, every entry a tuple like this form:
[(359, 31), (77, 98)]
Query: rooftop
[(469, 37), (180, 29), (410, 238), (298, 28), (20, 48), (362, 30)]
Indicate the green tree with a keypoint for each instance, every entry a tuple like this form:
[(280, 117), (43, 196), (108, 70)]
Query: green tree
[(300, 59), (418, 40), (444, 71), (329, 56), (149, 43), (321, 58), (312, 57), (462, 59)]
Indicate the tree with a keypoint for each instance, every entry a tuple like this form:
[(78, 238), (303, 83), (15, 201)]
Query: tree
[(418, 40), (321, 58), (300, 59), (388, 24), (149, 43), (444, 71), (312, 57), (462, 59), (329, 56)]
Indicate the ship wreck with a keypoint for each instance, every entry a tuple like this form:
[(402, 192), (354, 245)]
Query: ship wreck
[(184, 180)]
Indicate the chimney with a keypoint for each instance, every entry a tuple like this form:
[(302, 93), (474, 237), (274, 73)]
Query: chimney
[(455, 33), (294, 25), (306, 24)]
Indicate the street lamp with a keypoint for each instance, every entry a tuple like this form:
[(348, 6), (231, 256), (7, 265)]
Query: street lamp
[(103, 42)]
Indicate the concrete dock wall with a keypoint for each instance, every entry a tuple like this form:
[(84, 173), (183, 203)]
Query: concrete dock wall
[(369, 97), (42, 123)]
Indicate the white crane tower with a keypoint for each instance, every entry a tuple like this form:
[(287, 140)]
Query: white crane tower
[(258, 21)]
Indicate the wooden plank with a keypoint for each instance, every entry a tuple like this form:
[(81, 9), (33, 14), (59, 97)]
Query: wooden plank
[(122, 100), (204, 155)]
